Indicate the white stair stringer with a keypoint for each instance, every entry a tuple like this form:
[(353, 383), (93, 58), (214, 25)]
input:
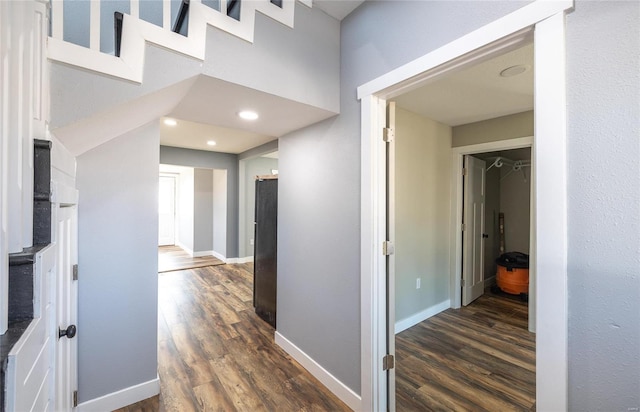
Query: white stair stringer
[(136, 32)]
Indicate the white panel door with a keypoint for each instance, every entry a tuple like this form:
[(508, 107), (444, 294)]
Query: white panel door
[(66, 348), (167, 211), (473, 224)]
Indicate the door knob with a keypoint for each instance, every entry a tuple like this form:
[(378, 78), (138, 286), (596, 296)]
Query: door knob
[(70, 332)]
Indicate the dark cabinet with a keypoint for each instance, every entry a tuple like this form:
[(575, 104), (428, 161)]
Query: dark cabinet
[(265, 253)]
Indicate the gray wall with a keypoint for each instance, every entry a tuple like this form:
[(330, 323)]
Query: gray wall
[(212, 160), (604, 205), (500, 128), (320, 206), (491, 226), (319, 182), (118, 254), (202, 210), (515, 198), (253, 167), (423, 213)]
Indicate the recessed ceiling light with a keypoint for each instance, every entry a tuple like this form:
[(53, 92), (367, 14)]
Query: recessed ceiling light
[(170, 122), (248, 115), (515, 70), (211, 143)]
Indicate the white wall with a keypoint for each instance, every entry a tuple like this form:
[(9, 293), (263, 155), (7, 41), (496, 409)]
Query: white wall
[(499, 128), (184, 235), (422, 200), (118, 286), (220, 212)]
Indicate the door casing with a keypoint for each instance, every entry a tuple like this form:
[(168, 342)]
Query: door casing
[(545, 22), (458, 154)]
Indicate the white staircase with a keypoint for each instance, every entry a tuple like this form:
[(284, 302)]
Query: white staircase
[(136, 32)]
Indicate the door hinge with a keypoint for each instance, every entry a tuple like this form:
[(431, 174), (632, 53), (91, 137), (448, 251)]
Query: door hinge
[(464, 227), (75, 272), (388, 248), (464, 171), (388, 362), (463, 283), (75, 399), (388, 134)]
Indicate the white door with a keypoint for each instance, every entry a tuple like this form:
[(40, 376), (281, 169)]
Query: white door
[(66, 348), (473, 229), (391, 261), (167, 211)]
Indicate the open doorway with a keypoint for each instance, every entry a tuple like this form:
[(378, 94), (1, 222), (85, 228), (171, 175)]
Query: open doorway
[(192, 207), (549, 253)]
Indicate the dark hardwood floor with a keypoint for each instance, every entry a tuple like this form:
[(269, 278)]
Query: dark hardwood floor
[(477, 358), (215, 354), (172, 258)]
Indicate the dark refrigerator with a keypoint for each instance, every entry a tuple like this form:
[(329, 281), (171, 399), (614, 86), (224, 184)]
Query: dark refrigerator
[(265, 251)]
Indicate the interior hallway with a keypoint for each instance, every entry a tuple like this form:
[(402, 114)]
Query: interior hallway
[(215, 354), (480, 357)]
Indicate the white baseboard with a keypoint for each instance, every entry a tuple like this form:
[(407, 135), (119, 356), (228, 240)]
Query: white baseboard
[(332, 383), (416, 318), (490, 281), (220, 256), (122, 398), (203, 253), (186, 249), (247, 259)]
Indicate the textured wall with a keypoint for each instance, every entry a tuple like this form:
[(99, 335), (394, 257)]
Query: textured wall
[(118, 254), (603, 49)]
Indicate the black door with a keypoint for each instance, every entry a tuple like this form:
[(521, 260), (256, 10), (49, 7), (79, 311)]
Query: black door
[(266, 250)]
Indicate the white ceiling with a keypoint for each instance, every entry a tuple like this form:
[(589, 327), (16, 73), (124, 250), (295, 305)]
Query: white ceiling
[(209, 111), (338, 9), (477, 93)]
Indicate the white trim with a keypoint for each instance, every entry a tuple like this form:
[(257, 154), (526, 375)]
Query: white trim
[(203, 253), (221, 257), (550, 180), (550, 111), (185, 248), (342, 391), (136, 33), (493, 34), (416, 318), (490, 281), (455, 246), (122, 398), (246, 259)]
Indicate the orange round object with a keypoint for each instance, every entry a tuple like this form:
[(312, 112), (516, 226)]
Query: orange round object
[(514, 281)]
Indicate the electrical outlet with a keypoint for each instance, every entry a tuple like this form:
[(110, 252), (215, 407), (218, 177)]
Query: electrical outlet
[(251, 242), (417, 283)]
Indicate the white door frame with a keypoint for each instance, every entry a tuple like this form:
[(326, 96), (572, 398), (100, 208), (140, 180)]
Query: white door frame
[(457, 162), (498, 37)]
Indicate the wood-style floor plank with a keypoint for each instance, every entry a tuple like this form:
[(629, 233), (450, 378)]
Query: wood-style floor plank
[(171, 258), (216, 354), (477, 358)]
